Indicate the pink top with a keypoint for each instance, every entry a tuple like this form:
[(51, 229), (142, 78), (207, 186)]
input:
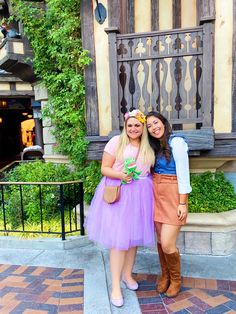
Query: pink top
[(129, 152)]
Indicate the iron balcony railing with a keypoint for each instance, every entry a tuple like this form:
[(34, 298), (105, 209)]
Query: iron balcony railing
[(68, 198)]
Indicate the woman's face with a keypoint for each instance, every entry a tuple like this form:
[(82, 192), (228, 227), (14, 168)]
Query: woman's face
[(134, 128), (155, 127)]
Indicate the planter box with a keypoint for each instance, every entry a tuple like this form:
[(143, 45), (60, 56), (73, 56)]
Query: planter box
[(209, 234)]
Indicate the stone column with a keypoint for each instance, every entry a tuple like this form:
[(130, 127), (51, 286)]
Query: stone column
[(38, 132), (49, 141)]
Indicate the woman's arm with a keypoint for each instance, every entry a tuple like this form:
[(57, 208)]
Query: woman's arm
[(180, 154), (107, 170)]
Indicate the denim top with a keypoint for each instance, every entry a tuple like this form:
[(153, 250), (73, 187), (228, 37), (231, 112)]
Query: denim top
[(162, 166)]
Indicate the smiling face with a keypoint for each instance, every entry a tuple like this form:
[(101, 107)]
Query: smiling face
[(155, 127), (134, 128)]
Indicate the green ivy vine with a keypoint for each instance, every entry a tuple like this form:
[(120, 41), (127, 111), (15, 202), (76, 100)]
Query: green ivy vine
[(59, 59)]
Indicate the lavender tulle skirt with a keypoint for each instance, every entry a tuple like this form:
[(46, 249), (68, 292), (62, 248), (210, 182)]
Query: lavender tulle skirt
[(126, 223)]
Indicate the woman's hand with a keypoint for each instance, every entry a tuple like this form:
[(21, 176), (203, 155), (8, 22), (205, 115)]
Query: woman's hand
[(182, 211), (125, 177), (106, 169)]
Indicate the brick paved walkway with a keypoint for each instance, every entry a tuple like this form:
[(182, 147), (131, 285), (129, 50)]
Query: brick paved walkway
[(40, 290), (197, 296)]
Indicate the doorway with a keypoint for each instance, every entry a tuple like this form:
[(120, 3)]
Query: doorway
[(12, 142)]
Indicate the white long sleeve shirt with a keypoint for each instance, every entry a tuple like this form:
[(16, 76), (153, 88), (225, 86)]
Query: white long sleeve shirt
[(179, 164)]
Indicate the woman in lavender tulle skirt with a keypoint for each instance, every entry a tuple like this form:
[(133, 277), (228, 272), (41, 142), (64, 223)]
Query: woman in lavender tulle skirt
[(127, 223)]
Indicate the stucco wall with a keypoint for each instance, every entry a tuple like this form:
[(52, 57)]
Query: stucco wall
[(102, 70), (165, 18), (223, 66)]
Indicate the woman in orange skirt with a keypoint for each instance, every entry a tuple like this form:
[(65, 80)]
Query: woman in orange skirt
[(171, 184)]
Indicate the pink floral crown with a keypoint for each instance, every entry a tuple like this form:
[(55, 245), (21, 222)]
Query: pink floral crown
[(135, 114)]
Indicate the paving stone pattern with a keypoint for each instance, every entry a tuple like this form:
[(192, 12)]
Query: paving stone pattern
[(40, 290), (197, 296)]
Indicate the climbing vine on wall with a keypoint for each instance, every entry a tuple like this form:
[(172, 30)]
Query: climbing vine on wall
[(59, 60), (53, 30)]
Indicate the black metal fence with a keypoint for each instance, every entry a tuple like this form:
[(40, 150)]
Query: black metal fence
[(31, 207)]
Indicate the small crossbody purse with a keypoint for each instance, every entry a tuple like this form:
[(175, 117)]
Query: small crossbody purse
[(111, 194)]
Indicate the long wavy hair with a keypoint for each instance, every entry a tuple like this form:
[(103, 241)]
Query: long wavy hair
[(161, 146), (145, 152)]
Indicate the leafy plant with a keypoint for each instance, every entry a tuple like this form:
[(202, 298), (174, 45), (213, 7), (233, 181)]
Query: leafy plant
[(91, 175), (212, 192), (54, 225), (59, 60)]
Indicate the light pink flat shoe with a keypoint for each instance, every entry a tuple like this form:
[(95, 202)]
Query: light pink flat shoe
[(130, 286), (117, 302)]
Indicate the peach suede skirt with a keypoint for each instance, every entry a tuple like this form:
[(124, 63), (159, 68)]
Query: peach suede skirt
[(166, 199)]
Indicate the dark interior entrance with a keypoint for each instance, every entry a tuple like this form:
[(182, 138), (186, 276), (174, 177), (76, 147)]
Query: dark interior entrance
[(12, 113)]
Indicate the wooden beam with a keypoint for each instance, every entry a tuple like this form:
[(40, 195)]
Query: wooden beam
[(14, 93), (198, 11), (155, 15), (198, 140), (9, 78), (96, 146), (206, 9), (207, 71), (176, 18), (92, 116), (115, 112), (16, 65), (202, 139), (130, 16), (12, 86), (224, 146), (124, 16), (114, 13)]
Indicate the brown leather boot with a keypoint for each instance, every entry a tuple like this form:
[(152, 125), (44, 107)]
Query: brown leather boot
[(164, 281), (173, 262)]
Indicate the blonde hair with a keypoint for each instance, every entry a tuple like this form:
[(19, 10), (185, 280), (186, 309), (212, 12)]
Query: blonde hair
[(146, 152)]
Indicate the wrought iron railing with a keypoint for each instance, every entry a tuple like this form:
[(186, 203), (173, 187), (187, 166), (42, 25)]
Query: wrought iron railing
[(20, 201)]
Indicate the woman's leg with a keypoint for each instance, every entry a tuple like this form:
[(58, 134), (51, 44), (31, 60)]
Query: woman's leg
[(128, 265), (163, 281), (117, 259), (158, 230), (169, 234)]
